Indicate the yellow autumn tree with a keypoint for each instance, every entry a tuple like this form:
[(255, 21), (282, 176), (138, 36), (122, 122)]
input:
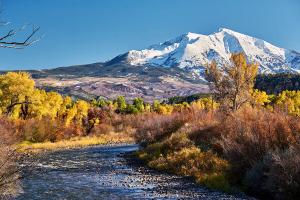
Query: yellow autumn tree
[(53, 104), (70, 115), (16, 91), (181, 107), (65, 107), (205, 104), (165, 109), (232, 84), (82, 108), (289, 101), (37, 109), (260, 98)]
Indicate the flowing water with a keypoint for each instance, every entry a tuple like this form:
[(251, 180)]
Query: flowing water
[(106, 172)]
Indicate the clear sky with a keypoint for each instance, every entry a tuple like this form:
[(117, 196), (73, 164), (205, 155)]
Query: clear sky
[(87, 31)]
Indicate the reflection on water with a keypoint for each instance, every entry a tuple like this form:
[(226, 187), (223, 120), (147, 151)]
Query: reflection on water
[(103, 173)]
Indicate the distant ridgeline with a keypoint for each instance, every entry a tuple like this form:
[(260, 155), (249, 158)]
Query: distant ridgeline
[(270, 83), (275, 83)]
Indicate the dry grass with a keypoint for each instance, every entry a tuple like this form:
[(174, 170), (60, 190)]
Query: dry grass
[(78, 142)]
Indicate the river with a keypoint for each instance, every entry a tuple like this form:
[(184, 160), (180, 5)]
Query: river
[(106, 172)]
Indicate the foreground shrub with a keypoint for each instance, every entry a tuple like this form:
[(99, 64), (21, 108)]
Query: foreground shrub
[(283, 178), (260, 146), (277, 175), (178, 155), (249, 135), (9, 171)]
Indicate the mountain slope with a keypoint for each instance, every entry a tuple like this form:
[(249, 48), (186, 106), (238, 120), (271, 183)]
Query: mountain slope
[(93, 80), (193, 51)]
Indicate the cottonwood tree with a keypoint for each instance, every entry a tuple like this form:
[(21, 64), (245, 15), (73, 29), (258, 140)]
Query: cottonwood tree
[(16, 91), (232, 84)]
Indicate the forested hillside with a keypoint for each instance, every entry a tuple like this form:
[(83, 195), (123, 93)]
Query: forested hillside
[(276, 83)]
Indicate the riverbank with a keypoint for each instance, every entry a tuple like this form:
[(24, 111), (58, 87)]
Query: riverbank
[(88, 144), (78, 142), (107, 172)]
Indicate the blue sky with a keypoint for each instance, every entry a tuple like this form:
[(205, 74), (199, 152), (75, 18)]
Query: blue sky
[(87, 31)]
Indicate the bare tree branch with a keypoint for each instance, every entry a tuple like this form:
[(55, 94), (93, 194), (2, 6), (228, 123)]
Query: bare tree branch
[(7, 41)]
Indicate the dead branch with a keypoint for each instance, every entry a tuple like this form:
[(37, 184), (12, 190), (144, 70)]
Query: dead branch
[(7, 41)]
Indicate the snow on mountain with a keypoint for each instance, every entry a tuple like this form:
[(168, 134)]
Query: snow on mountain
[(192, 51)]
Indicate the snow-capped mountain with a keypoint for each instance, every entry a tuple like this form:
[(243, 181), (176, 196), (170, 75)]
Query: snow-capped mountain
[(192, 51), (172, 68)]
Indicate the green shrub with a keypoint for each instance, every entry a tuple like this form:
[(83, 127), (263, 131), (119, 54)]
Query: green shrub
[(217, 181)]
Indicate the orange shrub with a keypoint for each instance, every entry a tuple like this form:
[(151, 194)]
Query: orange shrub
[(154, 127)]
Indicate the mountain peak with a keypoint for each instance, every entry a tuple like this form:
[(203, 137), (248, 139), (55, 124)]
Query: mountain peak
[(192, 51), (226, 30), (191, 35)]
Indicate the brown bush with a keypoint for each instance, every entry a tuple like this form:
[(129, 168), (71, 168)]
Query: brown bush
[(250, 134), (283, 177), (9, 171), (277, 175), (259, 144), (8, 131), (155, 127), (67, 132), (203, 130), (102, 129)]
